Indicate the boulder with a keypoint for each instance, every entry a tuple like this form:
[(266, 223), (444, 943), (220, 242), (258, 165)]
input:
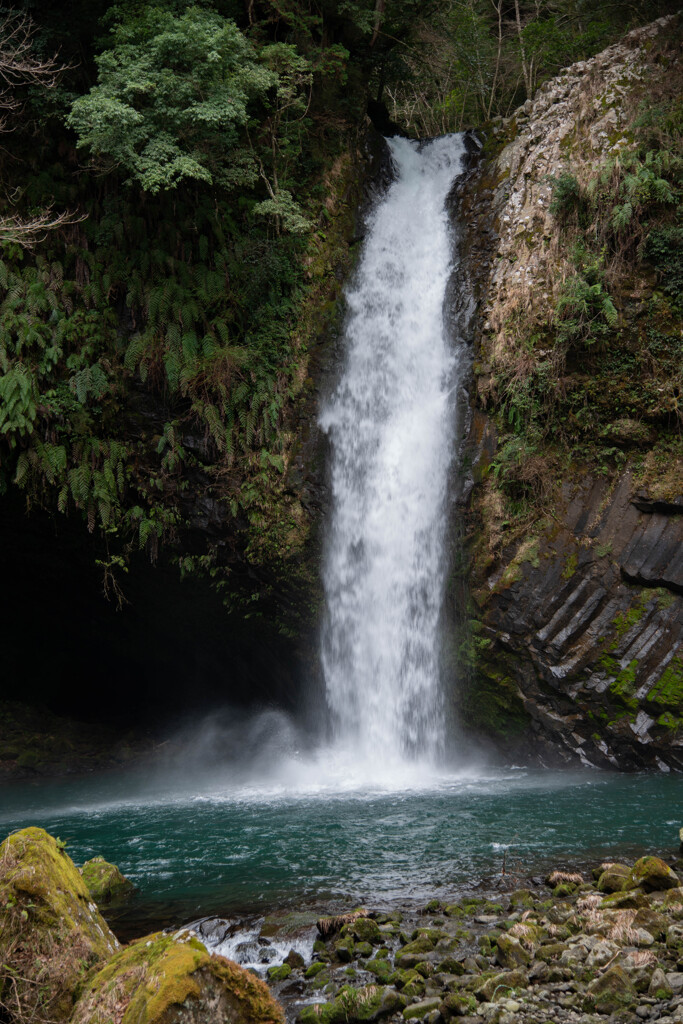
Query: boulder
[(610, 992), (501, 985), (659, 985), (364, 929), (104, 881), (52, 933), (653, 875), (615, 878), (511, 953), (420, 1010), (364, 1004), (457, 1005), (171, 979)]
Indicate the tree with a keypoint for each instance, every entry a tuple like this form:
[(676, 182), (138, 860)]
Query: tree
[(20, 66), (172, 97)]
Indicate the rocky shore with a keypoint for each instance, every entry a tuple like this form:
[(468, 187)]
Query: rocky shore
[(595, 946)]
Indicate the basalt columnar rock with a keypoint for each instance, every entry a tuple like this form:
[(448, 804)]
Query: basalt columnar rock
[(575, 534)]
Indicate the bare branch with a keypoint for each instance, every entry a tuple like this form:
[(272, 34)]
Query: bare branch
[(28, 233)]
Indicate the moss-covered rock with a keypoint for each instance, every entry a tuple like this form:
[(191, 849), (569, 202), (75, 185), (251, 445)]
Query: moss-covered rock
[(345, 949), (653, 874), (104, 881), (364, 1004), (610, 992), (279, 972), (52, 932), (364, 929), (521, 899), (457, 1005), (511, 953), (315, 969), (161, 979), (615, 878), (419, 1010)]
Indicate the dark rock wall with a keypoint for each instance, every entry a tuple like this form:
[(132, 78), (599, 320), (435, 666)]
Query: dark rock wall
[(571, 648)]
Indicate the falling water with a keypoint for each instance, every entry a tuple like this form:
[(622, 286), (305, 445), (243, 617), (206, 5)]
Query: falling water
[(391, 424)]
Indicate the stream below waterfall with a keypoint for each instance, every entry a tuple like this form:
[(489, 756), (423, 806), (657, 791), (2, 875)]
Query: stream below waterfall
[(204, 848)]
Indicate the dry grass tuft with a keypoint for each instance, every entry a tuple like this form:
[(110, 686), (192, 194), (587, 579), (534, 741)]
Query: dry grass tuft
[(557, 877), (329, 925)]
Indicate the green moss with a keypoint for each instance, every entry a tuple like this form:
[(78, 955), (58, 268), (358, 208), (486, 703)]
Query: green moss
[(279, 973), (623, 687), (570, 566), (142, 982), (51, 931), (491, 702), (669, 721), (104, 881), (668, 690), (314, 969)]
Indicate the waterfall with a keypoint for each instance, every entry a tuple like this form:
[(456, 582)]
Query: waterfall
[(391, 423)]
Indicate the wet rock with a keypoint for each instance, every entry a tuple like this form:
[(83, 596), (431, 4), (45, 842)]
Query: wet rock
[(104, 881), (51, 933)]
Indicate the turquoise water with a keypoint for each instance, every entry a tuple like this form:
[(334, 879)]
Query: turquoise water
[(208, 848)]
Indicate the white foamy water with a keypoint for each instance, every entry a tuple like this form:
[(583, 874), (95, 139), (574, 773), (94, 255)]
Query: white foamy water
[(391, 425)]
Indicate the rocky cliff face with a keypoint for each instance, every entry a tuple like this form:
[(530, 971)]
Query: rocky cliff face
[(576, 521)]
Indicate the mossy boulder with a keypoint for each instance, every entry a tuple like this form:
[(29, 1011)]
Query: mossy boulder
[(652, 874), (615, 878), (610, 992), (162, 979), (104, 881), (414, 952), (420, 1010), (381, 968), (511, 953), (345, 949), (521, 899), (315, 969), (279, 972), (364, 929), (659, 986), (457, 1005), (450, 966), (363, 1004), (501, 985), (52, 932)]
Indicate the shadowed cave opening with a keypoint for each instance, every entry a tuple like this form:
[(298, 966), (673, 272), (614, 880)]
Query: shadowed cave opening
[(171, 652)]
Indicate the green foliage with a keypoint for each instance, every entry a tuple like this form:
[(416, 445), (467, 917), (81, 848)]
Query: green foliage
[(172, 96), (567, 198), (585, 312), (664, 250)]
